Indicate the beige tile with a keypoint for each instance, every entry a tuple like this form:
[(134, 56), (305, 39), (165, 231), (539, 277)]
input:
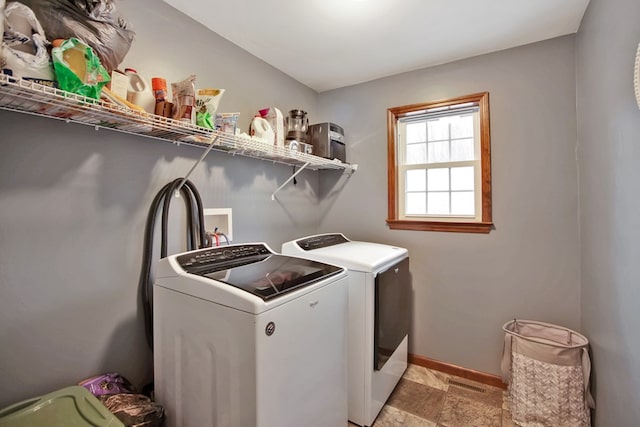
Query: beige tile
[(392, 417), (461, 412), (417, 399), (505, 401), (506, 419), (425, 397), (473, 390), (422, 375)]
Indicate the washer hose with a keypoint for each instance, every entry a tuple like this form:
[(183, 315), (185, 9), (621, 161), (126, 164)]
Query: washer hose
[(196, 238)]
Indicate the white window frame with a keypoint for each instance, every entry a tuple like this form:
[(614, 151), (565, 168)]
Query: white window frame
[(403, 167)]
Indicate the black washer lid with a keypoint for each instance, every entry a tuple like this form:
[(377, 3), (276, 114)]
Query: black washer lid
[(256, 270)]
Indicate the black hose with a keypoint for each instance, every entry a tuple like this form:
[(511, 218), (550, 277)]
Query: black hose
[(196, 238)]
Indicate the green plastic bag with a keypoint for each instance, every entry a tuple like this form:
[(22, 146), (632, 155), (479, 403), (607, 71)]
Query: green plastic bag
[(78, 69), (204, 120)]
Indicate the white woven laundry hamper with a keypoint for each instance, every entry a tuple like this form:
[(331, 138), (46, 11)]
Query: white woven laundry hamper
[(547, 368)]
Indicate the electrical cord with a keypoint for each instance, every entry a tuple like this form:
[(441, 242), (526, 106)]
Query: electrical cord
[(226, 239), (196, 238)]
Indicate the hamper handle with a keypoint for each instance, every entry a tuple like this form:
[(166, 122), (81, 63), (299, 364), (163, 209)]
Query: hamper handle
[(505, 365), (586, 373)]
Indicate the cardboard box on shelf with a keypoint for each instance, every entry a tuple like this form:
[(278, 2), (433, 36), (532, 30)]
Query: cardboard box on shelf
[(119, 83)]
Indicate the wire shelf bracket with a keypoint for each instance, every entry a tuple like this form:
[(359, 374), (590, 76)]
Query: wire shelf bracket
[(273, 195), (186, 177)]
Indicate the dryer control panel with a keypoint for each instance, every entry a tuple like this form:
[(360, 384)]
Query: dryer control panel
[(322, 241)]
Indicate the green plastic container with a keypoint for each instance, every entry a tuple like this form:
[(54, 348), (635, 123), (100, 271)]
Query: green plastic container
[(73, 406)]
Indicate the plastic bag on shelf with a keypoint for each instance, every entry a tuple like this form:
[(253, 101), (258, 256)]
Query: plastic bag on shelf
[(95, 22), (24, 46), (184, 96), (207, 101), (78, 69)]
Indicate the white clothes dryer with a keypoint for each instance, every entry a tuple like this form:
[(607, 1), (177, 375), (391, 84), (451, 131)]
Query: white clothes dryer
[(379, 315), (244, 337)]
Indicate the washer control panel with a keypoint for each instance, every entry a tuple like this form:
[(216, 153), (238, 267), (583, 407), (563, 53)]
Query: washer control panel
[(224, 254)]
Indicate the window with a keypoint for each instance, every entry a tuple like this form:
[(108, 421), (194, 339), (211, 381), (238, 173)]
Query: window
[(439, 166)]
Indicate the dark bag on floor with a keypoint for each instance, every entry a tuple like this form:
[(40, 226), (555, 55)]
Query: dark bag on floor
[(120, 397), (134, 410)]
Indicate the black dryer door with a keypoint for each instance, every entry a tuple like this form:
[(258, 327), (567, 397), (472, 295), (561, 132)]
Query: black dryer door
[(392, 311)]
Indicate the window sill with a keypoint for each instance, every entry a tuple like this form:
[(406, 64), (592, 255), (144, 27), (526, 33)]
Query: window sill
[(454, 227)]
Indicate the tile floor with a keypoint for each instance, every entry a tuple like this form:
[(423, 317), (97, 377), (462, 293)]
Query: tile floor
[(429, 398)]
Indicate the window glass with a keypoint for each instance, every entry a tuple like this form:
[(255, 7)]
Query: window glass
[(462, 178), (438, 203), (416, 204), (462, 203), (462, 149), (438, 179), (416, 132), (438, 152), (461, 126), (416, 180), (416, 154), (438, 129)]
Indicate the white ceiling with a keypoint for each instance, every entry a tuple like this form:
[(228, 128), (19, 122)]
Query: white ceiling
[(327, 44)]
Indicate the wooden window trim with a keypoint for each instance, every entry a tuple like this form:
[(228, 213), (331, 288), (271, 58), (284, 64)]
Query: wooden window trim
[(483, 226)]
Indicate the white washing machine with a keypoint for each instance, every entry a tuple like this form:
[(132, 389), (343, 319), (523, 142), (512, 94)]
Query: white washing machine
[(379, 315), (244, 337)]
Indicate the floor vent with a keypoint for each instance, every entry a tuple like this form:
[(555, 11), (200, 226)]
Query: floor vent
[(467, 386)]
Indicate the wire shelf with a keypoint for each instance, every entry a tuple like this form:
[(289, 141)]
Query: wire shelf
[(25, 96)]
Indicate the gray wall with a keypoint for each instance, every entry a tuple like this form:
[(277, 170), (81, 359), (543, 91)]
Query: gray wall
[(467, 286), (609, 149), (73, 204)]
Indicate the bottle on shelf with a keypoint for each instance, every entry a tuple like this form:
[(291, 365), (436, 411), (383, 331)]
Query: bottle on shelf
[(162, 106), (139, 91)]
